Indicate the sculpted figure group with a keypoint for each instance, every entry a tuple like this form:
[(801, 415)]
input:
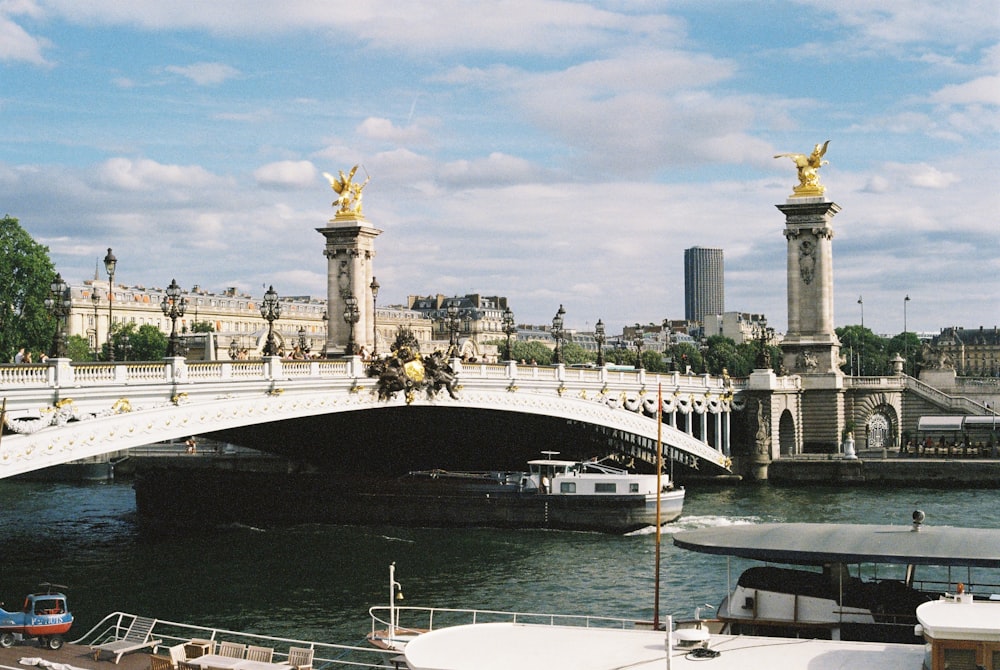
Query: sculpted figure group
[(808, 166), (348, 192)]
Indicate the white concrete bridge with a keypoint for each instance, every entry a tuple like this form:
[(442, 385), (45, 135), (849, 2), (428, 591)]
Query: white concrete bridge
[(61, 412)]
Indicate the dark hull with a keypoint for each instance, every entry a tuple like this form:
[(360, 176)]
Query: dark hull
[(183, 497)]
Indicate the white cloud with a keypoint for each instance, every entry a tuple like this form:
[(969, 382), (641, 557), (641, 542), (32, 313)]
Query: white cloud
[(386, 131), (985, 90), (205, 74), (17, 45), (286, 174), (146, 175)]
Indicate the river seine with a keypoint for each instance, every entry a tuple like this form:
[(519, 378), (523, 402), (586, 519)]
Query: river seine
[(317, 581)]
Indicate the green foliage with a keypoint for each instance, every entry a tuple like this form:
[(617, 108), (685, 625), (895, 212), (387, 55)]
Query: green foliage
[(684, 354), (572, 354), (145, 343), (531, 352), (25, 275), (202, 327), (78, 349)]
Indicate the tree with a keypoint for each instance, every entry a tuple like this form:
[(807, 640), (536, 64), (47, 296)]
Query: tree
[(864, 352), (25, 275), (145, 343), (78, 349), (202, 327)]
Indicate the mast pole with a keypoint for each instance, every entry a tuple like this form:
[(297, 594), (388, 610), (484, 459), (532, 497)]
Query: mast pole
[(659, 488)]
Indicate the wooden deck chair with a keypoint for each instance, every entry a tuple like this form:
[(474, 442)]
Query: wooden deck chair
[(232, 650), (177, 654), (300, 658), (186, 665), (262, 654), (157, 662), (138, 636)]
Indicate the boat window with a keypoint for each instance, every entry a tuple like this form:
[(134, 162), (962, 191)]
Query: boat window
[(567, 487), (960, 659), (633, 487), (604, 487)]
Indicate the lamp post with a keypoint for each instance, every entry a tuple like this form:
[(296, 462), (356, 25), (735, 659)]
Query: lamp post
[(126, 346), (173, 306), (374, 286), (509, 328), (302, 339), (351, 317), (110, 263), (906, 340), (234, 349), (96, 299), (861, 302), (557, 334), (454, 324), (59, 304), (638, 346), (600, 336), (270, 310), (764, 335)]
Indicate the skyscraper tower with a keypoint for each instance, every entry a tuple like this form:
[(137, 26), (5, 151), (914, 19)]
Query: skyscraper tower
[(704, 283)]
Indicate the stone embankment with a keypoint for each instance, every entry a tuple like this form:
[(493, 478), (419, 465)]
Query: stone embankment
[(886, 472)]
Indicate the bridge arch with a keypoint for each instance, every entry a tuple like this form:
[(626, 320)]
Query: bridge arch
[(87, 434)]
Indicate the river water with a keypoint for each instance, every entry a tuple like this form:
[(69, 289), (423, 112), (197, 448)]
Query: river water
[(317, 581)]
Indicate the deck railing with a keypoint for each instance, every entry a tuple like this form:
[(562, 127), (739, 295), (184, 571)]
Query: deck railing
[(326, 655)]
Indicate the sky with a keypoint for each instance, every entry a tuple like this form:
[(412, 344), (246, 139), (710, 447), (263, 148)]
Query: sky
[(556, 153)]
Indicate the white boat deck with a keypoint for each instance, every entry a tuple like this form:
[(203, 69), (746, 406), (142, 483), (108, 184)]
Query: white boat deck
[(501, 646)]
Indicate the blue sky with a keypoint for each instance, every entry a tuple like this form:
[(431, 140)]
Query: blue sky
[(553, 152)]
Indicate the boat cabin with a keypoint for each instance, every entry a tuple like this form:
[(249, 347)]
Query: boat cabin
[(845, 581), (557, 477), (961, 633)]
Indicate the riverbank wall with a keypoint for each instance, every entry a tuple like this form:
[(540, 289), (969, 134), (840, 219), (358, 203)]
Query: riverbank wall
[(886, 472)]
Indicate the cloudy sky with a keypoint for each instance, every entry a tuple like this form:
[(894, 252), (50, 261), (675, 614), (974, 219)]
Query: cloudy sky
[(552, 152)]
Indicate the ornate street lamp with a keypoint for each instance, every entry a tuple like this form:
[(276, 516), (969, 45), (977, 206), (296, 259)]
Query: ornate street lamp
[(96, 299), (110, 263), (600, 336), (374, 286), (126, 346), (351, 316), (59, 303), (270, 309), (234, 349), (454, 324), (173, 306), (509, 328), (764, 336), (557, 334), (639, 341), (302, 339)]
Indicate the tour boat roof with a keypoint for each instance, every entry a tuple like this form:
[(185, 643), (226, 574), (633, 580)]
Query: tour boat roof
[(500, 646), (816, 543)]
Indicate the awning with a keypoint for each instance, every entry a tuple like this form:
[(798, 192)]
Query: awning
[(940, 423)]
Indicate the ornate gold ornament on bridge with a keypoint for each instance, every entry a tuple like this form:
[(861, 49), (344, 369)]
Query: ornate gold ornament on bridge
[(808, 167), (348, 202)]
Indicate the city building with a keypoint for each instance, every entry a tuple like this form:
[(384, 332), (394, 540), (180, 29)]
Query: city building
[(740, 327), (970, 351), (234, 317), (704, 283), (479, 319)]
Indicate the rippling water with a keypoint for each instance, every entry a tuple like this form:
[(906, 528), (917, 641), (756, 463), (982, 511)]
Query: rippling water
[(317, 581)]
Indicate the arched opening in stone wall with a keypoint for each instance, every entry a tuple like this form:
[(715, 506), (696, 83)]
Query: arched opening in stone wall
[(786, 434), (879, 433)]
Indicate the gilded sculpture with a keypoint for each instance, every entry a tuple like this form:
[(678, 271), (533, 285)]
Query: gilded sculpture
[(808, 167), (348, 202)]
